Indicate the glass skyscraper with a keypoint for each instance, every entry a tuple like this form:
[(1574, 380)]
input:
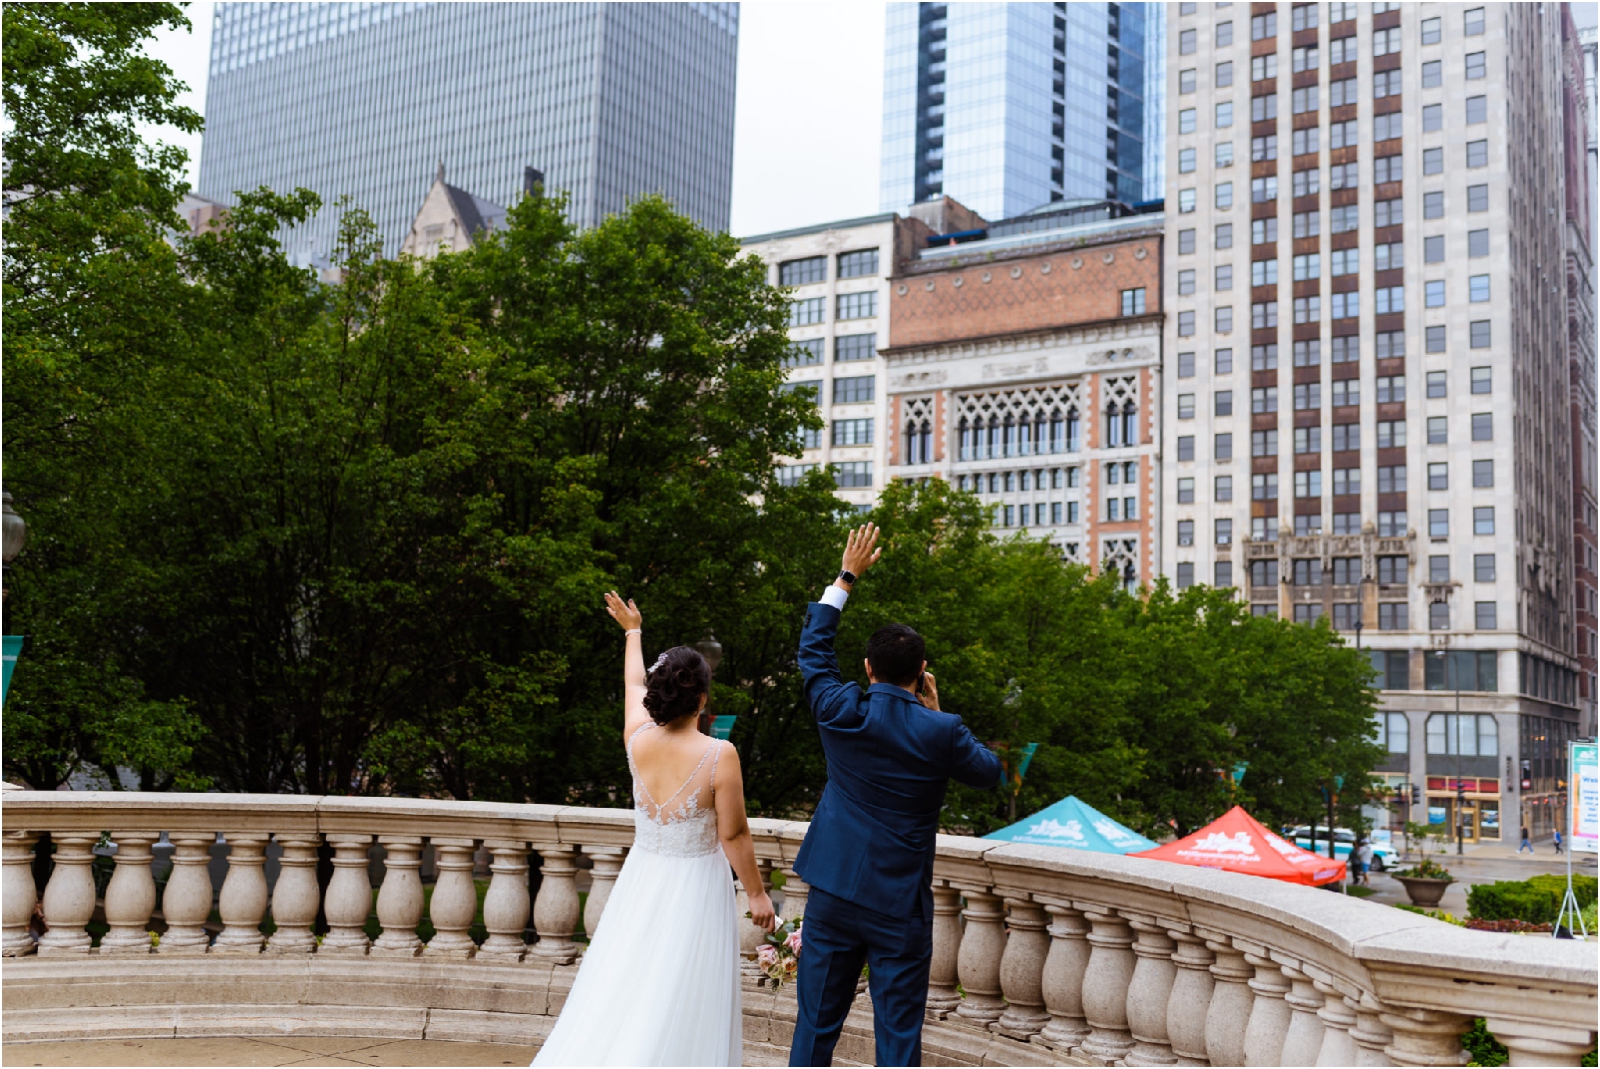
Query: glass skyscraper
[(1007, 106), (609, 101)]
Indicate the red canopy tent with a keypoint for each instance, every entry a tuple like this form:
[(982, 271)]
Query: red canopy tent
[(1237, 842)]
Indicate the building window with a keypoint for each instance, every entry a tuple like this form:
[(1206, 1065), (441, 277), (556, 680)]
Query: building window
[(1307, 395), (1477, 110), (1265, 529), (1477, 243), (1185, 324), (792, 474), (1476, 68), (1186, 160), (1438, 523), (1223, 447), (809, 387), (853, 475), (1185, 574), (1224, 114), (1133, 302), (1431, 31), (1480, 334), (1264, 314), (1222, 488), (858, 264), (1344, 176), (1224, 35), (1463, 734), (1437, 383), (1222, 154), (1224, 236), (858, 305), (1392, 570), (1264, 486), (853, 432), (1346, 523), (1478, 289), (1306, 266), (1432, 74), (805, 313), (1224, 277), (853, 390), (1432, 161), (1483, 520), (803, 272), (851, 347), (1482, 474), (1185, 201), (1347, 349), (1186, 241), (1483, 567), (1224, 76), (1438, 476), (1439, 569), (1186, 121), (1186, 42), (1223, 195), (1390, 299), (1186, 447), (1264, 108), (1478, 153), (1478, 198), (1392, 616), (1186, 81), (1484, 616), (1222, 574), (1303, 17), (1438, 616), (1185, 365), (1344, 218), (1483, 426), (1308, 484), (1391, 524), (1345, 90), (1386, 84), (1223, 320), (1391, 433), (805, 353), (1264, 273), (1307, 353), (1264, 399), (1433, 294), (1438, 430), (1186, 494), (1305, 141), (1434, 338), (1303, 99), (1346, 393), (1385, 42), (1433, 250), (1392, 479), (1345, 262), (1390, 343), (1264, 26), (1186, 406), (1223, 361), (1432, 118)]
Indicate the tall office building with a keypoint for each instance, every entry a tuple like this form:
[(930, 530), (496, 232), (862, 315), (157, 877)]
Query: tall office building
[(1009, 106), (609, 101), (1366, 404)]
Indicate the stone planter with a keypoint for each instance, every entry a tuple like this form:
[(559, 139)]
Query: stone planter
[(1424, 891)]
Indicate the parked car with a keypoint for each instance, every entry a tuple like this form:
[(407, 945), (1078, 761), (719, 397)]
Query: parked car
[(1344, 841)]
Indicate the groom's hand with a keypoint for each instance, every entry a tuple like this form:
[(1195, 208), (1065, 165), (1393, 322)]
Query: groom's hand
[(929, 694), (861, 550)]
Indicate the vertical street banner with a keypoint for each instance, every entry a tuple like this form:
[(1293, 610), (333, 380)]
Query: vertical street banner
[(1584, 775)]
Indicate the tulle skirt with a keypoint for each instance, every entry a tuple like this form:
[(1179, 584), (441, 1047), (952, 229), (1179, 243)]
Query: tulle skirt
[(659, 984)]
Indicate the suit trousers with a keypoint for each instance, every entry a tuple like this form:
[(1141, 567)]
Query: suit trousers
[(840, 937)]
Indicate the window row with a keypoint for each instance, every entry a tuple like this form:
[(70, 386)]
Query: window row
[(1005, 482), (855, 264), (848, 476), (812, 310), (846, 348), (1055, 432), (855, 389)]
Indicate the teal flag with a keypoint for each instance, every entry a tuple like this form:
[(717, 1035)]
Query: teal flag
[(12, 646), (1076, 824), (722, 726)]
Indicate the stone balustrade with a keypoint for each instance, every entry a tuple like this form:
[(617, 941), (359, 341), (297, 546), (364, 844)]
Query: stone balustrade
[(1041, 956)]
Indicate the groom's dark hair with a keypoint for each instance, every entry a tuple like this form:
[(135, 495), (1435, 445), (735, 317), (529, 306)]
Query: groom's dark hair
[(896, 653)]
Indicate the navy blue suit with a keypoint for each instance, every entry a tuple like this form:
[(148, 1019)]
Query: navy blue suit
[(868, 855)]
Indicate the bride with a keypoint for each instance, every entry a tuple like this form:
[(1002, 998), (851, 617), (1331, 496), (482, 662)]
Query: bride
[(659, 984)]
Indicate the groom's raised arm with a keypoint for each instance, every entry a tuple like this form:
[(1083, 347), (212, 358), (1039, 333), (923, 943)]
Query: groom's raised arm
[(826, 691)]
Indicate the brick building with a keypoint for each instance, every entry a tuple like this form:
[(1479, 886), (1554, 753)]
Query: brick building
[(1025, 366)]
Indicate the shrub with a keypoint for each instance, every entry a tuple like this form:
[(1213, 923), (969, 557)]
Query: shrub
[(1536, 901), (1510, 924)]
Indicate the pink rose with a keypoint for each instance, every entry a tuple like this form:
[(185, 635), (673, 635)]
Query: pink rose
[(793, 942), (790, 966), (766, 955)]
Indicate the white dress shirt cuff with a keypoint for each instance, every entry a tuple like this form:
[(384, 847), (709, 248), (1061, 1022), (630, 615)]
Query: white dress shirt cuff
[(835, 596)]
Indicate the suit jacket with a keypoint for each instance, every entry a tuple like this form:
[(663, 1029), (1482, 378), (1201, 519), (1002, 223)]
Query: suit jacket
[(890, 759)]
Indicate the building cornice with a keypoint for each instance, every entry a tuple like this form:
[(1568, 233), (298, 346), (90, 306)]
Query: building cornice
[(1013, 343), (981, 256)]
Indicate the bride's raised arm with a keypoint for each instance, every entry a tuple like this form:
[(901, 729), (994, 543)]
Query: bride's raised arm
[(629, 618)]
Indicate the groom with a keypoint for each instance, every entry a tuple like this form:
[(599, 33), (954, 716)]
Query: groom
[(869, 854)]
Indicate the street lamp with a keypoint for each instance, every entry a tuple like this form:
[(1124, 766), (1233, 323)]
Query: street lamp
[(1361, 607), (15, 533), (1461, 793)]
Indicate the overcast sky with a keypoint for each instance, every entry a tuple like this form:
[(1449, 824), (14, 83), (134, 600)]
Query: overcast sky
[(808, 119)]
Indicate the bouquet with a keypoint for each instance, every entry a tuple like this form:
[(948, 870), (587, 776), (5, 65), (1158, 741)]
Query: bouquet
[(778, 956)]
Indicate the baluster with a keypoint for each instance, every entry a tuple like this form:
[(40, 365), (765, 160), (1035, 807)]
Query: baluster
[(1149, 992), (69, 896), (505, 905), (1022, 969), (1370, 1035), (243, 901), (454, 902), (400, 897), (295, 896), (1544, 1043), (186, 903), (348, 901), (19, 894), (795, 891), (1302, 1041), (1062, 982), (1425, 1037), (1190, 1000), (1105, 986), (978, 963), (608, 862), (131, 895), (1269, 1014), (555, 911), (942, 976), (750, 937), (1231, 1000), (1337, 1019)]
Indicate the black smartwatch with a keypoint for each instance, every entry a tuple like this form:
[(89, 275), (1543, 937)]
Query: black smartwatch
[(848, 577)]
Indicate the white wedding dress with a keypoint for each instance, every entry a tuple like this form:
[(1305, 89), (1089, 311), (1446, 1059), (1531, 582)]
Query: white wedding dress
[(659, 984)]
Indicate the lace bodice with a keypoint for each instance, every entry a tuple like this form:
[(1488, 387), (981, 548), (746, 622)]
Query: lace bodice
[(679, 826)]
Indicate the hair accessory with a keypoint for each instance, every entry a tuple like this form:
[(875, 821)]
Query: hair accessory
[(659, 662)]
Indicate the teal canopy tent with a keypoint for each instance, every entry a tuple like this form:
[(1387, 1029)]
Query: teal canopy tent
[(1076, 824)]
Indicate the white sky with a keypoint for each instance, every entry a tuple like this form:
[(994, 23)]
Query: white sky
[(807, 123)]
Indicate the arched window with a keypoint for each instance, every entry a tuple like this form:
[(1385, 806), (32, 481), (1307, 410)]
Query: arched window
[(1057, 432), (1039, 433), (1074, 431), (1113, 426), (993, 448), (1011, 437), (1025, 438), (925, 441), (913, 441), (1130, 579), (1130, 424), (966, 439)]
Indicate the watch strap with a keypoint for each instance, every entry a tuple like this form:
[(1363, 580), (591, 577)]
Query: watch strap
[(849, 577)]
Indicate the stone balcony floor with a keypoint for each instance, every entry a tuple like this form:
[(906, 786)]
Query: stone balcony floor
[(285, 1050)]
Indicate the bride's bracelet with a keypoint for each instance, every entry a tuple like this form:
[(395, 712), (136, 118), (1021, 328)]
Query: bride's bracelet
[(632, 631)]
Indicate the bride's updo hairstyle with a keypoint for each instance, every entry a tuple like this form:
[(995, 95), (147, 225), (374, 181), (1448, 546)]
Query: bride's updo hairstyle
[(675, 683)]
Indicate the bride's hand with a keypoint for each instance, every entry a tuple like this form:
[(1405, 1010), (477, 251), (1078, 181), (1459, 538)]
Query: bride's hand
[(761, 912), (625, 613)]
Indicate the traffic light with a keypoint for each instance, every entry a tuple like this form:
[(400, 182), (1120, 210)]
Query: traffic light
[(1416, 795)]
